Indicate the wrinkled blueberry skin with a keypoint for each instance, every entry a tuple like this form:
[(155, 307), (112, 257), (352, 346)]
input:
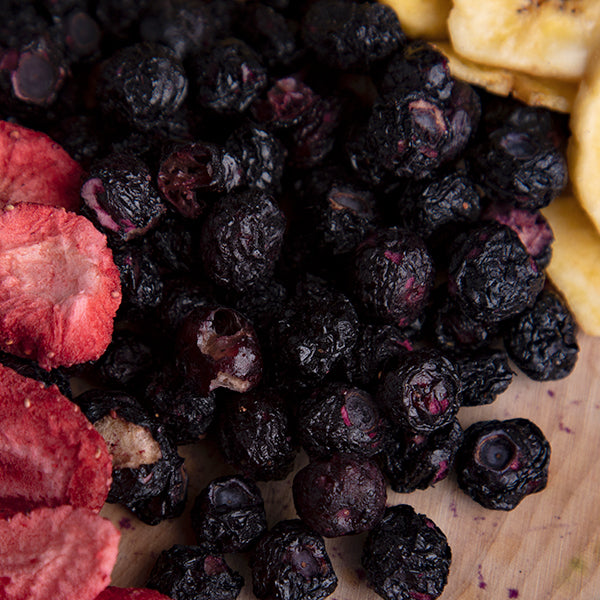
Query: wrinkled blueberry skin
[(290, 562), (142, 84), (338, 418), (341, 495), (484, 374), (394, 276), (254, 435), (542, 340), (491, 274), (406, 556), (186, 572), (241, 239), (414, 461), (421, 392), (501, 462), (229, 515)]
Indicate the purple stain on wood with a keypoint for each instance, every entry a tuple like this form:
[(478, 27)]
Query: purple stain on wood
[(125, 523), (482, 584), (478, 518), (513, 593), (361, 574), (453, 509), (563, 427), (551, 393)]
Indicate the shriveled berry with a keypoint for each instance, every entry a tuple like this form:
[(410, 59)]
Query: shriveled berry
[(229, 78), (531, 227), (491, 274), (291, 562), (394, 275), (148, 474), (188, 171), (351, 35), (484, 374), (415, 461), (341, 495), (119, 197), (241, 239), (406, 556), (229, 515), (542, 340), (340, 419), (421, 392), (501, 462), (254, 435), (186, 572), (217, 347), (142, 84), (184, 411)]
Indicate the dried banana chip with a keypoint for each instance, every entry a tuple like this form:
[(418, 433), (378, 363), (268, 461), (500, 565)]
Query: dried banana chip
[(422, 18)]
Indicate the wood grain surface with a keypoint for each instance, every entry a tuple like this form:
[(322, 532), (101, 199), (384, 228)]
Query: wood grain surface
[(547, 548)]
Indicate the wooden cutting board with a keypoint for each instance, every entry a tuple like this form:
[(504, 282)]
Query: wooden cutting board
[(548, 548)]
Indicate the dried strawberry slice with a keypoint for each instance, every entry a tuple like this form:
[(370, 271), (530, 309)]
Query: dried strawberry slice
[(62, 553), (116, 593), (34, 168), (49, 452), (59, 286)]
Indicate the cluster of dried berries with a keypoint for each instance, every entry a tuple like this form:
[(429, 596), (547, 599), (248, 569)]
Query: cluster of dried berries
[(324, 242)]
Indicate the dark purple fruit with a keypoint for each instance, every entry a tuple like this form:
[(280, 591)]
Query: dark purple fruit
[(406, 556), (501, 462), (341, 495), (217, 347), (290, 562), (229, 515)]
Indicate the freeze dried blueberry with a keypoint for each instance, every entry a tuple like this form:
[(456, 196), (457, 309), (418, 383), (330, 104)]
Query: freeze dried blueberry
[(341, 495), (185, 412), (217, 347), (148, 474), (432, 208), (254, 435), (241, 239), (516, 166), (119, 197), (340, 419), (531, 227), (314, 332), (501, 462), (484, 374), (418, 66), (82, 34), (141, 84), (290, 562), (80, 136), (421, 391), (414, 461), (229, 78), (542, 340), (141, 281), (191, 572), (188, 171), (261, 157), (376, 347), (229, 515), (351, 35), (491, 274), (31, 369), (406, 556), (127, 360), (394, 275)]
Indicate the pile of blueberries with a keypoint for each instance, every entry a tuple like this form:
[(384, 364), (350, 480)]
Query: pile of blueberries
[(325, 242)]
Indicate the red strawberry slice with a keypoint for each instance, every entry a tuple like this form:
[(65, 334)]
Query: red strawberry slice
[(116, 593), (59, 286), (49, 452), (62, 553), (34, 168)]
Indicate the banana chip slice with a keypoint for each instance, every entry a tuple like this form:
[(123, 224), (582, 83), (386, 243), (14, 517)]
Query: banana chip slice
[(422, 18), (575, 265), (548, 38)]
